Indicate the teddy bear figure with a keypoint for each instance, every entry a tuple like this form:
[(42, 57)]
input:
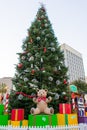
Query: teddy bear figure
[(42, 103)]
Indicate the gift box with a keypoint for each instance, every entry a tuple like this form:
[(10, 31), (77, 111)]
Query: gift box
[(15, 123), (22, 123), (1, 109), (9, 122), (61, 119), (53, 120), (67, 119), (38, 120), (64, 108), (25, 123), (42, 120), (82, 120), (3, 120), (71, 119), (17, 114)]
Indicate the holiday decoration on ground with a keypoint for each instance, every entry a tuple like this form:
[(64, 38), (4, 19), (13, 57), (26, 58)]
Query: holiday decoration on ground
[(42, 103)]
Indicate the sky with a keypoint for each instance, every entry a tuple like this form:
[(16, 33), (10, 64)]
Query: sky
[(68, 19)]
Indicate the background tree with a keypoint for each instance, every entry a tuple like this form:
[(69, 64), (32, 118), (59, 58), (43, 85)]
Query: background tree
[(41, 65), (81, 86)]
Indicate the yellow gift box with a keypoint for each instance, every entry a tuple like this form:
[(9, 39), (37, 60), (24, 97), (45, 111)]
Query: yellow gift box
[(85, 113), (61, 119), (72, 119), (19, 123), (25, 123), (15, 123)]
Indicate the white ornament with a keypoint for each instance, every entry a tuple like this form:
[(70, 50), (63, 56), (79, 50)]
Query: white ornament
[(20, 97), (64, 93), (53, 49), (57, 82), (34, 80), (42, 16), (25, 79), (50, 78), (23, 57), (56, 96), (46, 25), (31, 58), (38, 38), (52, 44)]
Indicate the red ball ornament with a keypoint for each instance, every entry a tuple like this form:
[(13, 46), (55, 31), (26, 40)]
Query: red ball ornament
[(65, 82), (42, 69), (20, 65), (65, 98), (45, 49), (32, 72)]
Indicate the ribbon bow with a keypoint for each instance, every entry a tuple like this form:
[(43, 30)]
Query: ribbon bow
[(41, 98)]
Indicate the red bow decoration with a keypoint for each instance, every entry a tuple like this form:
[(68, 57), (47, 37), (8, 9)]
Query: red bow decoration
[(41, 98)]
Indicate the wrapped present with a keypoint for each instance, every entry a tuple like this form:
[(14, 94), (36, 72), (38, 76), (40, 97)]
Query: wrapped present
[(4, 120), (24, 123), (1, 109), (17, 114), (60, 119), (71, 119), (38, 120), (53, 120), (64, 108), (85, 113), (82, 120), (67, 119), (15, 123), (42, 120), (9, 122)]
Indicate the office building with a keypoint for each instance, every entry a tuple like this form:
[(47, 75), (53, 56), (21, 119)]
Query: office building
[(74, 62)]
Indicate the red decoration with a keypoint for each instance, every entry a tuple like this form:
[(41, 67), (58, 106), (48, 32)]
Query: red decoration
[(42, 69), (65, 82), (20, 65), (65, 108), (45, 49), (32, 72), (17, 114), (25, 95), (73, 96)]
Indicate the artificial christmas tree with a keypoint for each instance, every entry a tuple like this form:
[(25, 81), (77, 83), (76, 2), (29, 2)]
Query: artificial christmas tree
[(41, 65)]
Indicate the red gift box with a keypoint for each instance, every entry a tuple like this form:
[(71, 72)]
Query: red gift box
[(17, 114), (65, 108)]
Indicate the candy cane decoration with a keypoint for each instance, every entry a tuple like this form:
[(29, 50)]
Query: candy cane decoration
[(6, 103)]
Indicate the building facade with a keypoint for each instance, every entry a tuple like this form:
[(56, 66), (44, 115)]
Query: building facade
[(74, 62), (7, 81)]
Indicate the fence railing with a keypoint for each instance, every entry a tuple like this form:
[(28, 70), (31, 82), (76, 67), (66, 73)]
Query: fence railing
[(73, 127)]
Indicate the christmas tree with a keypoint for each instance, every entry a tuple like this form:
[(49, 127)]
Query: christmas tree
[(40, 65)]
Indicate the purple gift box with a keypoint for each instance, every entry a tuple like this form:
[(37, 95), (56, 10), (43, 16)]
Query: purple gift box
[(82, 120)]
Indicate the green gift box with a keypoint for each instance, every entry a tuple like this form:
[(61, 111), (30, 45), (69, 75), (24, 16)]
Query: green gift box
[(1, 109), (53, 120), (42, 120), (3, 120), (38, 120)]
